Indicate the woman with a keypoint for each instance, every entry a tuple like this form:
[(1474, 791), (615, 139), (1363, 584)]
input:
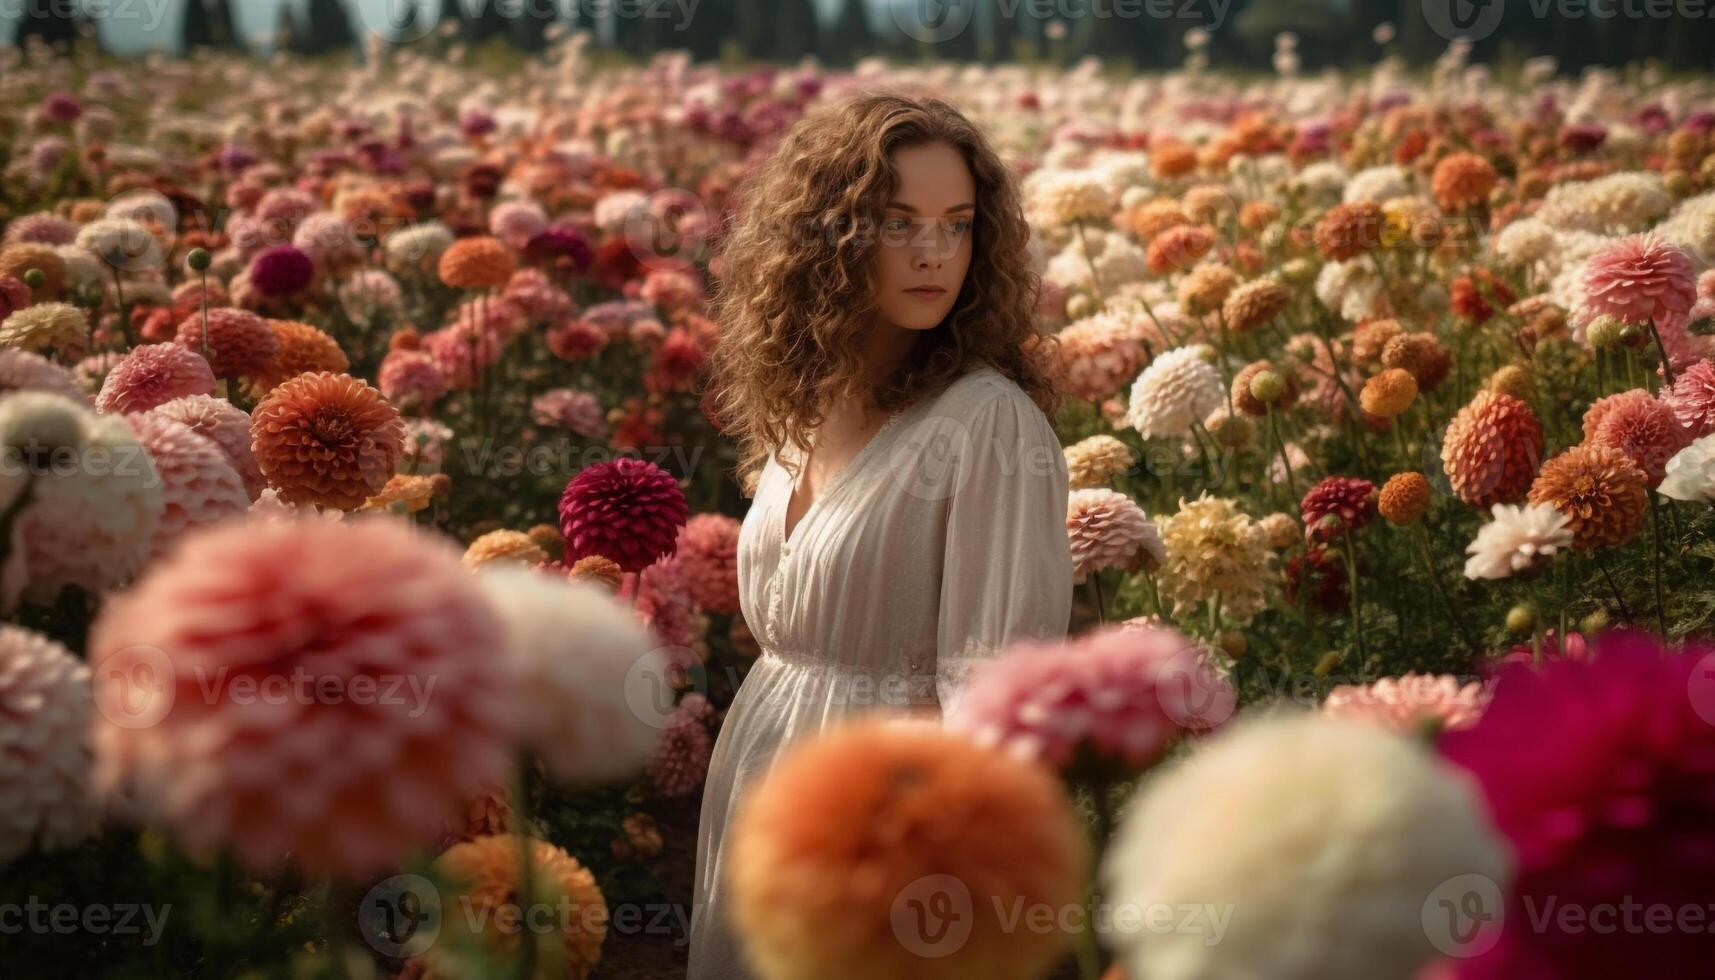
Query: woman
[(878, 361)]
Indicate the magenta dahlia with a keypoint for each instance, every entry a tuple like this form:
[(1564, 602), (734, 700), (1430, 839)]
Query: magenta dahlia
[(628, 510), (152, 375), (1602, 776), (681, 760), (1127, 694), (281, 270), (1350, 499), (1640, 279)]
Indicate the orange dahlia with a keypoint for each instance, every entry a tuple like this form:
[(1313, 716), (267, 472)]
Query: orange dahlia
[(487, 885), (1423, 355), (476, 263), (818, 894), (1462, 180), (504, 546), (327, 439), (1388, 394), (1247, 402), (598, 570), (303, 348), (1349, 230), (1492, 449), (1404, 497), (15, 260), (1179, 248), (1254, 303), (1599, 489), (1371, 337)]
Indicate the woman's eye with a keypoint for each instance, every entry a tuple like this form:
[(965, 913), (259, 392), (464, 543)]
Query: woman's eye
[(896, 224), (962, 225)]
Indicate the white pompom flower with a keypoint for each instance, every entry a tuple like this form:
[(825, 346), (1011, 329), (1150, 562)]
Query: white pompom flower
[(592, 681), (1295, 847)]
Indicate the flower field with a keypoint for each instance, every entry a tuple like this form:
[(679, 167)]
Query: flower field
[(370, 535)]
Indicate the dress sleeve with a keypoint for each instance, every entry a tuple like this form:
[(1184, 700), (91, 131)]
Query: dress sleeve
[(1007, 568)]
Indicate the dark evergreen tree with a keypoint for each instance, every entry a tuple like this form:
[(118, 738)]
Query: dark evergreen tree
[(488, 20), (195, 28), (286, 29), (327, 28), (530, 27), (222, 26), (848, 38), (50, 20), (794, 31), (711, 25)]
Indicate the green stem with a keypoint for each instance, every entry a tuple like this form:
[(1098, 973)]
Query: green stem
[(1348, 549), (1655, 538), (1666, 364), (1096, 587)]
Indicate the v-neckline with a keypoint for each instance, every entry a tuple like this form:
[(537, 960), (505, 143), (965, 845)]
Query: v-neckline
[(834, 483)]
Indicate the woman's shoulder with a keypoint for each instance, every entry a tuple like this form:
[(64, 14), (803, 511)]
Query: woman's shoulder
[(983, 389)]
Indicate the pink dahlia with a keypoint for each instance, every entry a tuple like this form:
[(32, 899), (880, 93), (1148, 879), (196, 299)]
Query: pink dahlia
[(1602, 776), (238, 344), (681, 761), (1126, 694), (1109, 530), (22, 370), (1351, 500), (575, 339), (569, 408), (1646, 430), (707, 550), (44, 745), (224, 424), (1640, 279), (329, 698), (153, 374), (1411, 703), (14, 295), (1692, 398), (411, 379), (1492, 449), (461, 354), (281, 270), (660, 597), (198, 485), (627, 509)]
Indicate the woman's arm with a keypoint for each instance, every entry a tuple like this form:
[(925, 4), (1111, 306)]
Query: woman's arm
[(1007, 571)]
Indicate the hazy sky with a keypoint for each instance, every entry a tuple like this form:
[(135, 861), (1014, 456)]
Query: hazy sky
[(133, 25)]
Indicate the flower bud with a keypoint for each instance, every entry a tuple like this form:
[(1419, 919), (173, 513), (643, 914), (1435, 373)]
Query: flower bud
[(198, 259), (1521, 619), (1267, 387)]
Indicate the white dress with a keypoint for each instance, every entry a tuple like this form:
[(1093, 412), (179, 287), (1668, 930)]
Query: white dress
[(941, 541)]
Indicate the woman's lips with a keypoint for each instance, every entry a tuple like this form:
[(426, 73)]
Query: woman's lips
[(927, 292)]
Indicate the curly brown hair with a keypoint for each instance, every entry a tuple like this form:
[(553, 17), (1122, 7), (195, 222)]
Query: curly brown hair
[(796, 291)]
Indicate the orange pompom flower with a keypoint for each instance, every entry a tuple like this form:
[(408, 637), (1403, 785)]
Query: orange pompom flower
[(1404, 498), (1349, 230), (1388, 394), (565, 908), (1462, 180), (327, 439), (303, 349), (816, 893), (1599, 489), (1492, 450), (480, 262)]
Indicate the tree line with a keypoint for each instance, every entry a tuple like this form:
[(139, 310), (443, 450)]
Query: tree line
[(1578, 33)]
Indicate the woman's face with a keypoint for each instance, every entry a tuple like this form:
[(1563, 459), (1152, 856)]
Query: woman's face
[(925, 236)]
